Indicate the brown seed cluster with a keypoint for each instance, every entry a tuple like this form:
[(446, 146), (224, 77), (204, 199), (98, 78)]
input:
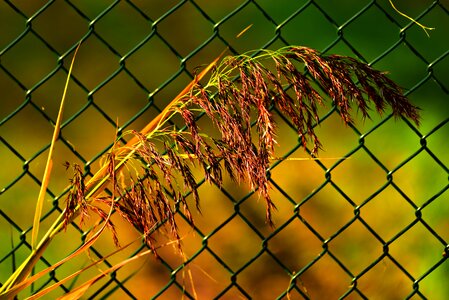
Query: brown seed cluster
[(239, 100)]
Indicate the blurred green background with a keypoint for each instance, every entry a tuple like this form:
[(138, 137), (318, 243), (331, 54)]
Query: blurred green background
[(375, 226)]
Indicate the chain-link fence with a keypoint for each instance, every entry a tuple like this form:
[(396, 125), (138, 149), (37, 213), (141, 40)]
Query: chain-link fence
[(368, 220)]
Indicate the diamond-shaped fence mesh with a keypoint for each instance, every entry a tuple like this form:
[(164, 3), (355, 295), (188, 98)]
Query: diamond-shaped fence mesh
[(370, 219)]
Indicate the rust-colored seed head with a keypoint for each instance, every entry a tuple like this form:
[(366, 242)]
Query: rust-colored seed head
[(239, 101)]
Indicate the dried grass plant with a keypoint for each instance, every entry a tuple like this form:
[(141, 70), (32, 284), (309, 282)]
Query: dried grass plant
[(150, 177)]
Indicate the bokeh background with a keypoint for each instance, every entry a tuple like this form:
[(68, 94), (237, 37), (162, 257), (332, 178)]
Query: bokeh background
[(368, 220)]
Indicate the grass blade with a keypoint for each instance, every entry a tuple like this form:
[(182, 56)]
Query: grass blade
[(48, 167), (81, 290), (96, 184), (12, 292)]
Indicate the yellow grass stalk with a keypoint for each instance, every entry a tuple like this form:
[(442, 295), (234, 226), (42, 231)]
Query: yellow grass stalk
[(101, 177), (12, 292), (48, 166), (17, 281)]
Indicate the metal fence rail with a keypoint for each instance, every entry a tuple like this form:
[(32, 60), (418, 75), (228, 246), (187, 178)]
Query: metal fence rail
[(370, 222)]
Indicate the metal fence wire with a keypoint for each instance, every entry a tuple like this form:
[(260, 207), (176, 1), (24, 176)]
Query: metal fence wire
[(368, 220)]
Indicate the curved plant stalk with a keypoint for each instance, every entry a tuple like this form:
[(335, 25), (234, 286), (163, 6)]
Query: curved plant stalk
[(95, 186), (38, 249), (423, 27), (82, 289), (238, 99), (13, 291)]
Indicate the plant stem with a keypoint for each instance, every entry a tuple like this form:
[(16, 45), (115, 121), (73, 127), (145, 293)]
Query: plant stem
[(25, 268), (96, 185)]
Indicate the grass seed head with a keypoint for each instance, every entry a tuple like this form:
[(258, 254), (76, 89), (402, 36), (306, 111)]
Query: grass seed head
[(239, 100)]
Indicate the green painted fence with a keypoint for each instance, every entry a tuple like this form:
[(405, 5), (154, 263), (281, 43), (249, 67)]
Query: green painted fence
[(368, 220)]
